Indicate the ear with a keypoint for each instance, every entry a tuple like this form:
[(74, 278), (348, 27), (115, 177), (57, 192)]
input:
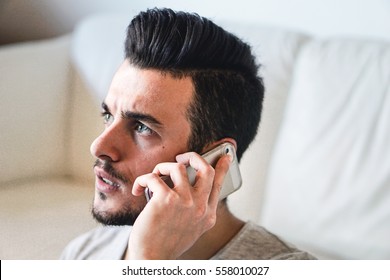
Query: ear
[(216, 143)]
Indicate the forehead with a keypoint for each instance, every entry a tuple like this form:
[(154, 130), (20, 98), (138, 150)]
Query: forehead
[(149, 91)]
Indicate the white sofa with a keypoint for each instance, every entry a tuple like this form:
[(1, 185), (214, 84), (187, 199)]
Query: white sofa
[(318, 174)]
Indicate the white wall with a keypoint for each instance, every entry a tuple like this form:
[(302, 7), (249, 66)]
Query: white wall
[(368, 18), (21, 19)]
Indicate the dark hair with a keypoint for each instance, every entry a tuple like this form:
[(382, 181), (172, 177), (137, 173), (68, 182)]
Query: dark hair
[(228, 91)]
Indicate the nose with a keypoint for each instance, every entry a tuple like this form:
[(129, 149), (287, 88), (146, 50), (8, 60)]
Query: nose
[(107, 145)]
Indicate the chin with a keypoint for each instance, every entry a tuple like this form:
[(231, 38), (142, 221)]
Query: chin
[(105, 213)]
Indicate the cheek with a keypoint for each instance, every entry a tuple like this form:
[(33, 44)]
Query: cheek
[(168, 153), (148, 162), (142, 163)]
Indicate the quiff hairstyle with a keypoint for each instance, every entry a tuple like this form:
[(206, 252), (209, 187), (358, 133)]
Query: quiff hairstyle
[(228, 91)]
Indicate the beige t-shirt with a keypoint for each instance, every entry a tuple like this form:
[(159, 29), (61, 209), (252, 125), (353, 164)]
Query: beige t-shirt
[(252, 242)]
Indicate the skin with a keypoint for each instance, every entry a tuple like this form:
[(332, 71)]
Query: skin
[(145, 136)]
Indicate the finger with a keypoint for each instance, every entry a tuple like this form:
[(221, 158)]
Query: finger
[(176, 171), (191, 159), (151, 181), (204, 171), (221, 169)]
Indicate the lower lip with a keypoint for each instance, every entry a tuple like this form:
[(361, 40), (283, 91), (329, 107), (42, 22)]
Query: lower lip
[(101, 186)]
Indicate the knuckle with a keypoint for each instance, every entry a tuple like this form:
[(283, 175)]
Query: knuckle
[(218, 185), (209, 171), (158, 167), (189, 203), (211, 221), (170, 199), (153, 176), (201, 211), (181, 167)]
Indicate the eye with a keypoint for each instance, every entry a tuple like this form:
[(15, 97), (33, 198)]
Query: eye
[(107, 118), (140, 128)]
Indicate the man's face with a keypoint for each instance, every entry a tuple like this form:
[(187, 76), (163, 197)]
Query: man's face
[(145, 124)]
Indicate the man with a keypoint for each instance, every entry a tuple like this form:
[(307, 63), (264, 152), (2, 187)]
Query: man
[(185, 86)]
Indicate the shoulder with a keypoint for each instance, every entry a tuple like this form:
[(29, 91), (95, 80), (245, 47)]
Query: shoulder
[(255, 242), (103, 242)]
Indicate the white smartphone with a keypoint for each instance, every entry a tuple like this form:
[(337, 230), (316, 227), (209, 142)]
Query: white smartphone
[(232, 181)]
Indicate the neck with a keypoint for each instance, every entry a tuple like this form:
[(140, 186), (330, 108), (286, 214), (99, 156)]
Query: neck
[(226, 227)]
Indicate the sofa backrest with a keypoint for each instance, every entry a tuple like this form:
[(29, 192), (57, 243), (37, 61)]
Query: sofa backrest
[(34, 87), (328, 188)]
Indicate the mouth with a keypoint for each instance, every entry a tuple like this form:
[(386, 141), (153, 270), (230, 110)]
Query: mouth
[(106, 183), (105, 180)]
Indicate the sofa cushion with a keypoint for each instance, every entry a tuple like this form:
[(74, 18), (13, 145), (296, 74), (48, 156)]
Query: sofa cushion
[(40, 217), (328, 189), (34, 86)]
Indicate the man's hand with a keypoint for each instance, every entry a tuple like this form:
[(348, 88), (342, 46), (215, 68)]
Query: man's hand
[(175, 218)]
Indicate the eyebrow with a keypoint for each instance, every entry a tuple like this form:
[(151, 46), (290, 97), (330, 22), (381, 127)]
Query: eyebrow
[(136, 116)]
